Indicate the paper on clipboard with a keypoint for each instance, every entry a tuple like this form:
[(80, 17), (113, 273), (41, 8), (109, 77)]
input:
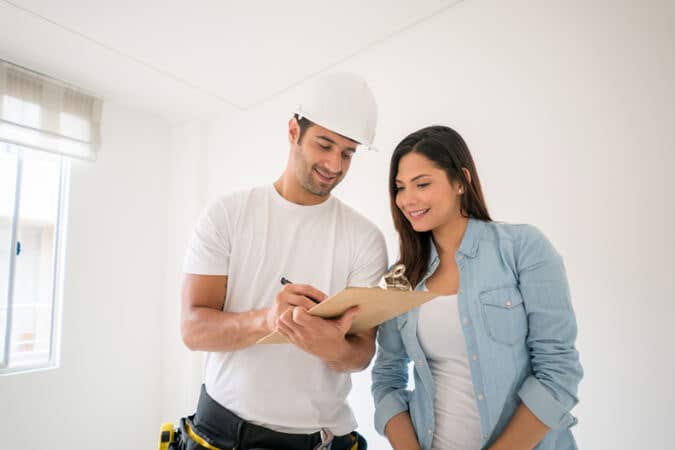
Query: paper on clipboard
[(376, 305)]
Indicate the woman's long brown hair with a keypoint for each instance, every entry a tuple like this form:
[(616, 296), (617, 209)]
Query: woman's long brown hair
[(444, 147)]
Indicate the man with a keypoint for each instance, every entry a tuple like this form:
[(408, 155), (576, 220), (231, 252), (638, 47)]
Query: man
[(285, 396)]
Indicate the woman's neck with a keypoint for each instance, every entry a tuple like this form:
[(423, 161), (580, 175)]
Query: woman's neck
[(448, 237)]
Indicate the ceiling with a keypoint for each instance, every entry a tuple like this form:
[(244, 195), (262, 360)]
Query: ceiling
[(183, 60)]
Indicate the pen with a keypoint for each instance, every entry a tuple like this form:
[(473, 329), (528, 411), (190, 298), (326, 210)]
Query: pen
[(284, 280)]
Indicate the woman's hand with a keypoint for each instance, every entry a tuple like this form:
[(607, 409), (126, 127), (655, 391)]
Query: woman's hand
[(523, 432)]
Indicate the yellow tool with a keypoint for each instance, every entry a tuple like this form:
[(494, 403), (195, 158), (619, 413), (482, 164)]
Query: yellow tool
[(166, 436)]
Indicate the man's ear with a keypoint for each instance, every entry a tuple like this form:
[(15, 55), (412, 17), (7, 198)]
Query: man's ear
[(293, 131)]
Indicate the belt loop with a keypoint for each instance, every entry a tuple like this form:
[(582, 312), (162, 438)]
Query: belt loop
[(326, 439), (240, 432)]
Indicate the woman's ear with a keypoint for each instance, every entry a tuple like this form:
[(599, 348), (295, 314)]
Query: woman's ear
[(467, 174)]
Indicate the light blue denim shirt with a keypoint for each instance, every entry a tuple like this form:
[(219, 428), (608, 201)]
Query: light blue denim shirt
[(519, 328)]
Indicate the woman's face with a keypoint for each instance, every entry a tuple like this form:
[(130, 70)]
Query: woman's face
[(424, 194)]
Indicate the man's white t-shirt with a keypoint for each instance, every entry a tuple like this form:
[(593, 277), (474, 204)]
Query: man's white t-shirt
[(255, 237)]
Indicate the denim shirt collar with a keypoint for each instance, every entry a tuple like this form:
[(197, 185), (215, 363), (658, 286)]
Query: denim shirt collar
[(468, 247)]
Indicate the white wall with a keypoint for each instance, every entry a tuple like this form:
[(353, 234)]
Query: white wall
[(106, 393), (181, 368), (568, 109)]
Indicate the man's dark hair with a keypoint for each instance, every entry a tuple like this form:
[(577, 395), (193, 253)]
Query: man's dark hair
[(304, 123)]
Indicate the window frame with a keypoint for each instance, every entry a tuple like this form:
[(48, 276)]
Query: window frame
[(58, 269)]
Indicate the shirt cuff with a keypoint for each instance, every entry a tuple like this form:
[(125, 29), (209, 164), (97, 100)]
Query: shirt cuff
[(541, 402), (390, 405)]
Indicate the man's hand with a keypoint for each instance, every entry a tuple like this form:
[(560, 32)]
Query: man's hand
[(290, 296), (324, 338)]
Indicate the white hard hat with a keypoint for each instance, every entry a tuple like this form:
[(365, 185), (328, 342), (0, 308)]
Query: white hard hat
[(343, 103)]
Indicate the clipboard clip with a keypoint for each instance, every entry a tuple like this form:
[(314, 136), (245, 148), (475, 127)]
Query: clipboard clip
[(395, 279)]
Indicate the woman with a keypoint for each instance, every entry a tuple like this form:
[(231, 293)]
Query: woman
[(494, 359)]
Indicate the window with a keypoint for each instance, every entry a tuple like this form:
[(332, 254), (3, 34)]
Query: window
[(32, 226), (44, 123)]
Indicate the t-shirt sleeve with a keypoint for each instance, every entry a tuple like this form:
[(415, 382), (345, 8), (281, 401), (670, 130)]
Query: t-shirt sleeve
[(208, 252), (371, 261)]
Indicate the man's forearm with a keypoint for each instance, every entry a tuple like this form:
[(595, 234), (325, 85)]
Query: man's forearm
[(356, 353), (207, 329)]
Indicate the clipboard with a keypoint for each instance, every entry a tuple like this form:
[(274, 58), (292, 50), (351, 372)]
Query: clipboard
[(376, 305)]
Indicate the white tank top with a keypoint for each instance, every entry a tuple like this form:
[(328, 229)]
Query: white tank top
[(455, 411)]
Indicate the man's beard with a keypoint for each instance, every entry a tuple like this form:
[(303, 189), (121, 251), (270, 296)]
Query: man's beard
[(310, 184), (308, 181)]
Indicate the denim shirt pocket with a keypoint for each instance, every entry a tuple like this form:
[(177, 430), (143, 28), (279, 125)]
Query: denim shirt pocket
[(504, 315)]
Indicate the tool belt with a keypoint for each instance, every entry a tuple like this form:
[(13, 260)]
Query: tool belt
[(214, 427)]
